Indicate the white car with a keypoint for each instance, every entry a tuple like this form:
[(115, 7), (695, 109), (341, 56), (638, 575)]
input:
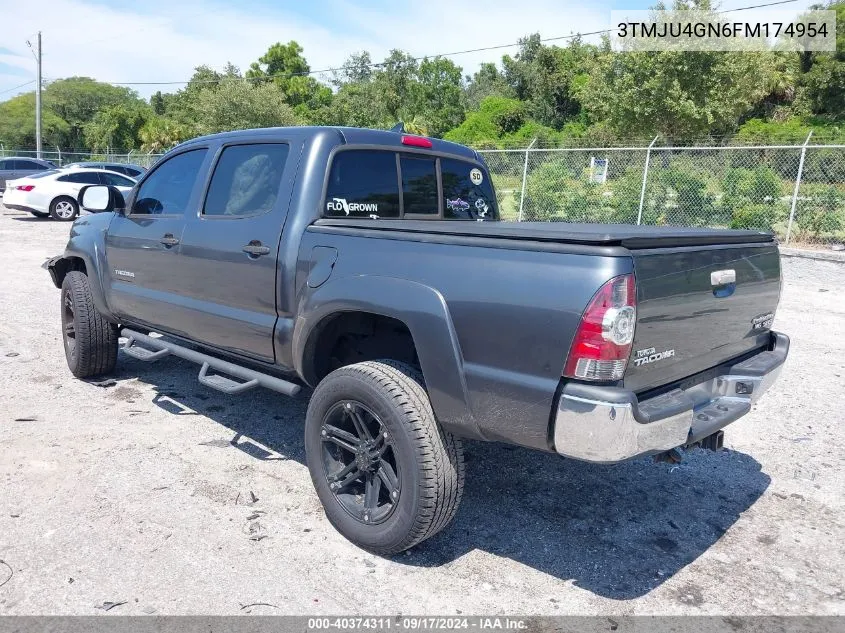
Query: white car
[(55, 192)]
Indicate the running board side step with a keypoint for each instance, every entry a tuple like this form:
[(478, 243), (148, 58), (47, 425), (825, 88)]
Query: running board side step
[(162, 348)]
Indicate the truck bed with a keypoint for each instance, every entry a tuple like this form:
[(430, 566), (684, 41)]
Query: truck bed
[(625, 235)]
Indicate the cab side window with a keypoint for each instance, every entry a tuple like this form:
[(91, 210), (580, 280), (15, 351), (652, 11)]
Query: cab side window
[(363, 184), (467, 192), (168, 189), (246, 180)]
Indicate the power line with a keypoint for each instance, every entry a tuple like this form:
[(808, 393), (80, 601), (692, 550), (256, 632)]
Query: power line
[(31, 81), (416, 59)]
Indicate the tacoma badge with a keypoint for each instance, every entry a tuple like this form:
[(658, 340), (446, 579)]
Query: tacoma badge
[(649, 355)]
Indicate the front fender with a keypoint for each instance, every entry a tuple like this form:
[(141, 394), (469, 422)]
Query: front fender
[(425, 313), (86, 245)]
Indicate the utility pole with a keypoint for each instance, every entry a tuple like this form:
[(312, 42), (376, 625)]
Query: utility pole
[(38, 101), (37, 54)]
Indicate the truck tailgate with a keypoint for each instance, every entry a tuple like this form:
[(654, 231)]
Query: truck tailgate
[(698, 307)]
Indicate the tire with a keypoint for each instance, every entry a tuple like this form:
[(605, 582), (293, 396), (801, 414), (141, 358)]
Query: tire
[(64, 209), (90, 341), (40, 214), (428, 462)]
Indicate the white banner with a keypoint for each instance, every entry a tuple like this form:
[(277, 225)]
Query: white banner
[(713, 31)]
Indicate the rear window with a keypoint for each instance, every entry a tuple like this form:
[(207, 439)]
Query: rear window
[(42, 174), (419, 184), (363, 184), (366, 184), (467, 192)]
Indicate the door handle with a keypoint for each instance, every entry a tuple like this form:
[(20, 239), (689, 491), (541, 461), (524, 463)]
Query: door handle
[(169, 240), (254, 249)]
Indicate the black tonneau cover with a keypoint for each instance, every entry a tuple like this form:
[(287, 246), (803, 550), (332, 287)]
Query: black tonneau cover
[(627, 235)]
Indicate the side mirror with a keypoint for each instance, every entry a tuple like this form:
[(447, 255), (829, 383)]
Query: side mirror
[(100, 198)]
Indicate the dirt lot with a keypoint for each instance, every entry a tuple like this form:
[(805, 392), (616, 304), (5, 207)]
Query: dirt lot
[(143, 492)]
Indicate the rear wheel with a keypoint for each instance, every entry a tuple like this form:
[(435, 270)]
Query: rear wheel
[(387, 475), (64, 209), (90, 341)]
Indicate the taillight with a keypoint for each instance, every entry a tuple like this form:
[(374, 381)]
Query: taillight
[(25, 187), (603, 341)]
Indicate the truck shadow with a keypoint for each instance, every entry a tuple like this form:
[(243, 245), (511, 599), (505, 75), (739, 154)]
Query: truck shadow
[(617, 531)]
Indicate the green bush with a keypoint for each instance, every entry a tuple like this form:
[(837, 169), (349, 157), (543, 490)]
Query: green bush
[(696, 205), (820, 211), (824, 166), (753, 216), (760, 185), (555, 193)]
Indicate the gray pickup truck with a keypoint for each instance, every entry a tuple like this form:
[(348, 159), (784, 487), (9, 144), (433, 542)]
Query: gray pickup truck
[(370, 265)]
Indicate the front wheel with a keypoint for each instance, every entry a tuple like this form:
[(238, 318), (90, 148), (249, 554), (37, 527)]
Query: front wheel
[(90, 341), (387, 475)]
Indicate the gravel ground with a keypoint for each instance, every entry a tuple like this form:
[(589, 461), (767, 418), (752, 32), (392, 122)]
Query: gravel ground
[(171, 498)]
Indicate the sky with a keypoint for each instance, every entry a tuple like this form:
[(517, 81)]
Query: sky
[(164, 40)]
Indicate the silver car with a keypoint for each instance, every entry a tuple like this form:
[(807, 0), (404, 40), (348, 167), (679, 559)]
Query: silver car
[(19, 167)]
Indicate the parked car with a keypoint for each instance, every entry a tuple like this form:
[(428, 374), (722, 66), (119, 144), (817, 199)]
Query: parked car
[(18, 167), (55, 192), (133, 171), (337, 257)]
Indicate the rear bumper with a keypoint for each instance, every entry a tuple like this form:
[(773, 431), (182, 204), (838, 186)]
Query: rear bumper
[(610, 424)]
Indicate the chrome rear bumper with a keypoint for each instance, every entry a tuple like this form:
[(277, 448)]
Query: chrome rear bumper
[(610, 424)]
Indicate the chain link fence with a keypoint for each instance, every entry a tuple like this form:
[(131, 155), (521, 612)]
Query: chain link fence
[(796, 191), (60, 157)]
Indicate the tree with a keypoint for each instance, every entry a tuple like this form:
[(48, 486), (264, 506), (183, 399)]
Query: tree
[(236, 105), (437, 102), (357, 104), (117, 127), (486, 82), (679, 94), (17, 123), (160, 134), (497, 118), (548, 78), (356, 69), (284, 66), (823, 82), (78, 99), (157, 103), (395, 83)]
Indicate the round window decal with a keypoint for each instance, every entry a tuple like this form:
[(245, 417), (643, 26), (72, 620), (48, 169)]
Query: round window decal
[(476, 177)]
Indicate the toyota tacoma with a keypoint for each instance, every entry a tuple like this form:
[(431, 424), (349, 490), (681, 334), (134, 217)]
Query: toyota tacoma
[(373, 267)]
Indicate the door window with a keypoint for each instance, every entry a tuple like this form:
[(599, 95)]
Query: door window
[(6, 165), (246, 180), (363, 184), (168, 189)]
